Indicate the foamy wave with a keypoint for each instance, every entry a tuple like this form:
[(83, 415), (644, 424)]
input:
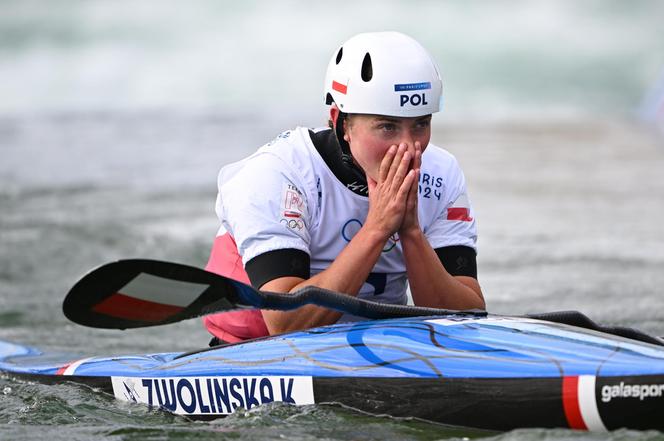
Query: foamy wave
[(496, 57)]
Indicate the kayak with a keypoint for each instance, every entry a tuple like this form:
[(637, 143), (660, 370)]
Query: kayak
[(462, 368), (481, 371)]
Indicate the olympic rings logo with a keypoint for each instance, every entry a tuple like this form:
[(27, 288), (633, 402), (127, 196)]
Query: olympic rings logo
[(293, 224), (352, 226)]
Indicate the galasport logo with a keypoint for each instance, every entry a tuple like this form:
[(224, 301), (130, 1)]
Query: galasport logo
[(638, 391)]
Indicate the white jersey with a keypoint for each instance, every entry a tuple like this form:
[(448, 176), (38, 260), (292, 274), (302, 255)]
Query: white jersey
[(285, 196)]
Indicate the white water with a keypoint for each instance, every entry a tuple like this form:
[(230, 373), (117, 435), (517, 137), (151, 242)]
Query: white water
[(115, 117), (498, 58)]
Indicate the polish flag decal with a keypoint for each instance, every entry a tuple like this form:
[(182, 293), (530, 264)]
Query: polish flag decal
[(70, 368), (151, 298), (580, 404), (341, 88), (460, 210)]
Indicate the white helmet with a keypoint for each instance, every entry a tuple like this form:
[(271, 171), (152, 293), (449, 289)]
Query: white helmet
[(383, 73)]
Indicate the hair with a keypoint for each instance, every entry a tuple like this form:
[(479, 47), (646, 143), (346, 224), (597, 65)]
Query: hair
[(349, 116)]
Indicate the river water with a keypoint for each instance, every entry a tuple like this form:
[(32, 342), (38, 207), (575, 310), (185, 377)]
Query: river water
[(114, 121)]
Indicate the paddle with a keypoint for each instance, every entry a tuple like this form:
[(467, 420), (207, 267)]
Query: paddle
[(137, 293)]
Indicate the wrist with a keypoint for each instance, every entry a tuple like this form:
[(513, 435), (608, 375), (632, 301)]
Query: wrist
[(374, 236), (376, 230), (411, 234)]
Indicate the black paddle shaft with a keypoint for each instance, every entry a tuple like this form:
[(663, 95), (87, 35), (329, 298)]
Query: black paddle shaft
[(137, 293)]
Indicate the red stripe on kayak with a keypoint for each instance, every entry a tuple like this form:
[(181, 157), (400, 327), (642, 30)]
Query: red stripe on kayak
[(571, 403), (341, 88), (63, 369), (130, 308)]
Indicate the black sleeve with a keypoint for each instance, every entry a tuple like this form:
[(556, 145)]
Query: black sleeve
[(459, 260), (278, 263)]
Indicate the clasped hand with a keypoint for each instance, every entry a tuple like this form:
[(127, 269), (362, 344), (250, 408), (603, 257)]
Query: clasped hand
[(393, 197)]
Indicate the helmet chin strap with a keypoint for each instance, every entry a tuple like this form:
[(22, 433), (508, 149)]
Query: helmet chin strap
[(346, 155)]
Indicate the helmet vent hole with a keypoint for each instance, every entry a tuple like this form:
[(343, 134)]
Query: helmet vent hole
[(367, 69), (340, 54)]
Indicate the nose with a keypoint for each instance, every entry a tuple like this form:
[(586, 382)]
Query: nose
[(409, 137)]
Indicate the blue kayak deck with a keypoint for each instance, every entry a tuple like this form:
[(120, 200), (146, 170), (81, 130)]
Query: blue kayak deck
[(514, 372), (451, 347)]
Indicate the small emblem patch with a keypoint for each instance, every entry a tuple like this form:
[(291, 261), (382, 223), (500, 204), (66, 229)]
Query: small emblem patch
[(293, 208), (411, 86)]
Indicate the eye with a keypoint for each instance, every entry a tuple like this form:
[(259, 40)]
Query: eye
[(387, 127), (423, 124)]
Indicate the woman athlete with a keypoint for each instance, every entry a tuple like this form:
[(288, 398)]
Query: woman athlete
[(365, 207)]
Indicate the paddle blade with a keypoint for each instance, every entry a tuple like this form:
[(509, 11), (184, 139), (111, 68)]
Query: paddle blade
[(138, 293)]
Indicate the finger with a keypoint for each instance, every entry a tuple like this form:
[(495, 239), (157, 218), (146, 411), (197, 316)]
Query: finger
[(406, 186), (414, 189), (396, 162), (412, 149), (386, 163), (417, 164), (402, 170)]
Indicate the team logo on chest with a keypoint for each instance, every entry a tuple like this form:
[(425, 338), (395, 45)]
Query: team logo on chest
[(293, 208)]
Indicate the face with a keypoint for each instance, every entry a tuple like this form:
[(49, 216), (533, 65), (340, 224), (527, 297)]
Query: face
[(370, 136)]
